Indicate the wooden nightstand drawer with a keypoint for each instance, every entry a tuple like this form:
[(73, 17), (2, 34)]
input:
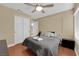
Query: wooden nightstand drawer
[(68, 44)]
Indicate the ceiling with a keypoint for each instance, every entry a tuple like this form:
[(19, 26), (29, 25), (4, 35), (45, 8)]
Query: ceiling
[(58, 7)]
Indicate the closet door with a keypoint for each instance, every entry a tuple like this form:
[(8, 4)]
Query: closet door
[(22, 28), (27, 27)]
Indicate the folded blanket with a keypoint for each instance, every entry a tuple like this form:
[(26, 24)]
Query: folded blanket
[(37, 38)]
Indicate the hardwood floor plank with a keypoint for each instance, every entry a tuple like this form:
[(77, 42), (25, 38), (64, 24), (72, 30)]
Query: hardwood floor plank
[(20, 50)]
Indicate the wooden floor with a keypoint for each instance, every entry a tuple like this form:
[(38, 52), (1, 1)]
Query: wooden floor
[(20, 50)]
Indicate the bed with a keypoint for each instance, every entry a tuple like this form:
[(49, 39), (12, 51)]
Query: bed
[(47, 47)]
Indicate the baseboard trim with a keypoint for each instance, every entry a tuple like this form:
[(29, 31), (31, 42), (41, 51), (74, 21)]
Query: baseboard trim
[(11, 45), (76, 53)]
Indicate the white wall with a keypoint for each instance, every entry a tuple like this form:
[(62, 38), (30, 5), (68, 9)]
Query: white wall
[(7, 23), (61, 23)]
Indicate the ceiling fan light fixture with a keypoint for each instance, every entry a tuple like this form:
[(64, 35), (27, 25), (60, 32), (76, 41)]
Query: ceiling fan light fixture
[(39, 8)]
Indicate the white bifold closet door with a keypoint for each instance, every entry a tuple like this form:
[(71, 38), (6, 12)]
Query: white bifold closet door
[(22, 28)]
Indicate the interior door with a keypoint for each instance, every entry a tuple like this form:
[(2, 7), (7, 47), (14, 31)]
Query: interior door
[(27, 27), (21, 29)]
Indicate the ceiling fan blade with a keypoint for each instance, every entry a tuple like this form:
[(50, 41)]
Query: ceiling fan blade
[(35, 8), (50, 5), (19, 10), (43, 11), (33, 11), (29, 4)]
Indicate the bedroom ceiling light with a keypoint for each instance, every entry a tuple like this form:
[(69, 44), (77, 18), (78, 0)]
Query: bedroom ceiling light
[(32, 24), (39, 8)]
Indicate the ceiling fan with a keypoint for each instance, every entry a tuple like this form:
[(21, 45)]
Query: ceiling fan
[(39, 7)]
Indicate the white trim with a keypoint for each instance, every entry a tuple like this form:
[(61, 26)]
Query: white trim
[(76, 53), (11, 45), (76, 11)]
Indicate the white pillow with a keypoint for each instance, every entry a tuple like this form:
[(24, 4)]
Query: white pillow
[(39, 39), (47, 34), (35, 37), (52, 34)]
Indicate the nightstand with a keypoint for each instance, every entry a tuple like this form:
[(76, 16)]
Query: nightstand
[(68, 44)]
